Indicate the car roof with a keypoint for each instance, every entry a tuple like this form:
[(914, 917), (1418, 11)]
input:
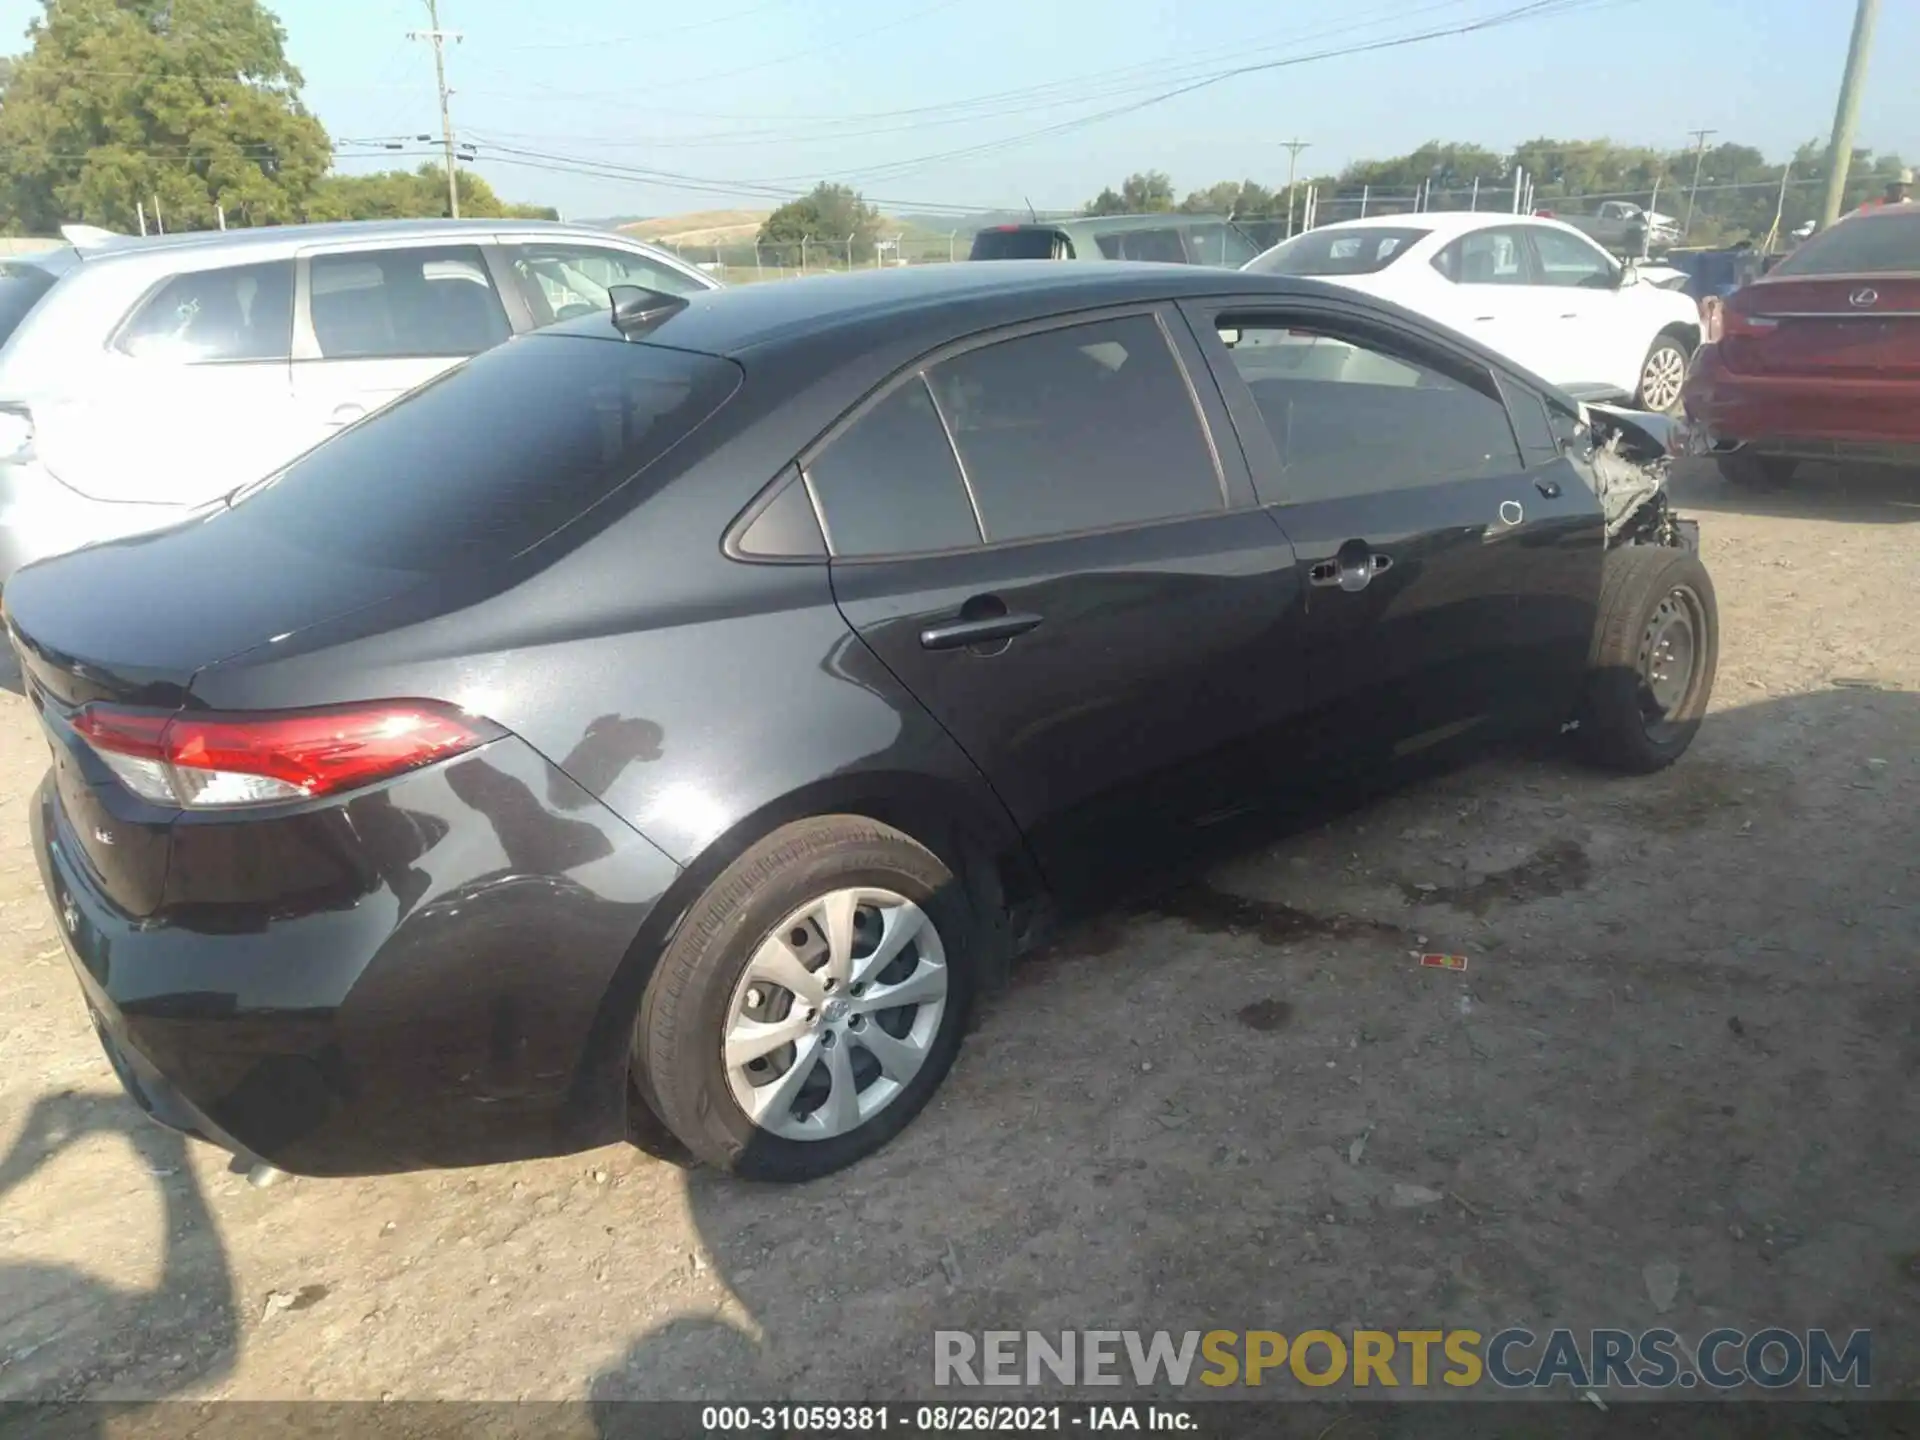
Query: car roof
[(1103, 224), (287, 238), (1438, 222), (934, 300)]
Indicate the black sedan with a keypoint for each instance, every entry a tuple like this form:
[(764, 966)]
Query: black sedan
[(685, 712)]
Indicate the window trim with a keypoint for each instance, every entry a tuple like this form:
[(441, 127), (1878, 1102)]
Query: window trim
[(1155, 309), (1415, 346), (116, 340), (769, 496)]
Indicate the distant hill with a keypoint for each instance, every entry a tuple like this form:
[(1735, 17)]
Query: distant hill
[(741, 227)]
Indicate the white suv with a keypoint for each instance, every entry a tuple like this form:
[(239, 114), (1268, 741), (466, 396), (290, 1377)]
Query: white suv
[(1535, 290), (141, 379)]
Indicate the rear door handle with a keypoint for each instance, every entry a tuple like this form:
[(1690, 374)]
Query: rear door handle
[(1548, 488), (346, 414), (956, 634)]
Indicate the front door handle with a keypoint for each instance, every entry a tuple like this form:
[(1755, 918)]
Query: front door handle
[(984, 630), (1350, 570)]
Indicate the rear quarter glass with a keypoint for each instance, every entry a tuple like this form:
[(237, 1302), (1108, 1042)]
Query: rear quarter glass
[(490, 459)]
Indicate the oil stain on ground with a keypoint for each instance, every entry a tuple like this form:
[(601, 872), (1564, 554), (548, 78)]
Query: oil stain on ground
[(1266, 1015), (1560, 867), (1215, 912)]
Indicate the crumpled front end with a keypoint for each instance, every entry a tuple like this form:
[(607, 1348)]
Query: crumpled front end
[(1630, 459)]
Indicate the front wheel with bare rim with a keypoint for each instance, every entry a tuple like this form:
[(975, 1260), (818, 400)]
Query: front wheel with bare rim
[(1656, 645), (810, 1003)]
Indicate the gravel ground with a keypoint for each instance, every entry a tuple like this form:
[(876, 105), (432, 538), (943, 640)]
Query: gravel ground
[(1687, 1036)]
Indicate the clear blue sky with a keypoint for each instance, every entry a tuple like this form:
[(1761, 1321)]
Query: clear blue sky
[(769, 95)]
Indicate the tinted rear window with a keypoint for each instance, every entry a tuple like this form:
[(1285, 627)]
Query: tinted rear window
[(1876, 245), (1021, 245), (494, 456), (1338, 252), (21, 286)]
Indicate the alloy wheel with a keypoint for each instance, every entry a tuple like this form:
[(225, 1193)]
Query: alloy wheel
[(1664, 377), (835, 1013)]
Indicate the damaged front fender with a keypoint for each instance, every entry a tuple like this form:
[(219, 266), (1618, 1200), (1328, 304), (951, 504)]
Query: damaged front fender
[(1628, 456)]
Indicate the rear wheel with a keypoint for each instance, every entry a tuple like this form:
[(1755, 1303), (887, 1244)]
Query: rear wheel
[(1755, 472), (812, 1001), (1663, 375), (1656, 645)]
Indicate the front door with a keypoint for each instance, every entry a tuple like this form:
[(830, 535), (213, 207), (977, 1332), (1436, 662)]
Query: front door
[(1444, 584), (1599, 336), (373, 324), (1038, 539)]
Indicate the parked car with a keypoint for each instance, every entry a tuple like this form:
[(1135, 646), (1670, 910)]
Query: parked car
[(1623, 228), (1172, 239), (1533, 289), (1819, 358), (685, 714), (140, 378)]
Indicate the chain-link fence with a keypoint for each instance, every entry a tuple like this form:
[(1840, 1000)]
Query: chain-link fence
[(742, 261)]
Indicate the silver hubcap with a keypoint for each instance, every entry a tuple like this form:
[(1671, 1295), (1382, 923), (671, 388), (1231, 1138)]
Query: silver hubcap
[(1668, 650), (1665, 375), (835, 1013)]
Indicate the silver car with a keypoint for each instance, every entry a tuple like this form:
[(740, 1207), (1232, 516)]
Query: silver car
[(142, 378)]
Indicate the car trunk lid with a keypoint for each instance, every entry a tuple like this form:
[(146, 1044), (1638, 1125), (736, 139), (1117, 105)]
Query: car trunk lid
[(1833, 327)]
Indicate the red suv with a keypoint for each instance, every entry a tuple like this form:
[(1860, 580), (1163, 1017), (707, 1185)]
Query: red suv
[(1820, 358)]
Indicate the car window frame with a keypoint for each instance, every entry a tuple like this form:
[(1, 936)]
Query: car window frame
[(1210, 412), (1417, 345), (1610, 267), (306, 342), (117, 337), (1522, 242)]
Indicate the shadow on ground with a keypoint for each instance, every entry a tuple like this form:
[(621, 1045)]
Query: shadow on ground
[(1687, 1037), (1851, 494)]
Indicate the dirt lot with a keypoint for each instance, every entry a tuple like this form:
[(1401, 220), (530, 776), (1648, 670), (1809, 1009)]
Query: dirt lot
[(1688, 1036)]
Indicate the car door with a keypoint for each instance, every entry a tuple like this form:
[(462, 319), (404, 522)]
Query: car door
[(564, 279), (1448, 578), (372, 323), (1490, 295), (1598, 337), (1039, 538)]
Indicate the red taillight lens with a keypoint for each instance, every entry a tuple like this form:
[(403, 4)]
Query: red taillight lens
[(204, 761)]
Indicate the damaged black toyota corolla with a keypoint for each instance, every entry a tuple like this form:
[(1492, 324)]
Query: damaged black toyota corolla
[(685, 712)]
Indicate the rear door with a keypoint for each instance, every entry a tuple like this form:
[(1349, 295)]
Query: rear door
[(1492, 294), (1039, 538), (1449, 578), (372, 323)]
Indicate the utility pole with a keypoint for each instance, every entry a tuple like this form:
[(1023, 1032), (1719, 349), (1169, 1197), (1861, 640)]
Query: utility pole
[(1699, 159), (1840, 151), (1293, 149), (438, 38)]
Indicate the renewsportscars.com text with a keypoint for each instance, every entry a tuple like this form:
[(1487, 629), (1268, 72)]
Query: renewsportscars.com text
[(1511, 1359)]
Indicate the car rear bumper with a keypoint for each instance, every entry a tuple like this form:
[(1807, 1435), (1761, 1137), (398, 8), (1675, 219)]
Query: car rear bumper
[(41, 518), (451, 980), (1805, 418)]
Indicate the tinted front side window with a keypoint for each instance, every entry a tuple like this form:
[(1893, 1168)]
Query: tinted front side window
[(244, 312), (1353, 417), (1160, 247), (494, 456), (889, 485), (1877, 245), (1568, 261), (1079, 428), (1337, 252), (389, 304)]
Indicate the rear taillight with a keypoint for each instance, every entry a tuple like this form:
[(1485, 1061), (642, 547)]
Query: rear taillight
[(1725, 319), (209, 762)]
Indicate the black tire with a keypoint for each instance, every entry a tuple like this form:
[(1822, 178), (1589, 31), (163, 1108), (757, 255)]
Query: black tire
[(677, 1052), (1622, 727), (1756, 472), (1664, 346)]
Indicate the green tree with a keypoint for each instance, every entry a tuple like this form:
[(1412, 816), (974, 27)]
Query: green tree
[(411, 194), (1146, 193), (1242, 199), (188, 103), (825, 216)]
